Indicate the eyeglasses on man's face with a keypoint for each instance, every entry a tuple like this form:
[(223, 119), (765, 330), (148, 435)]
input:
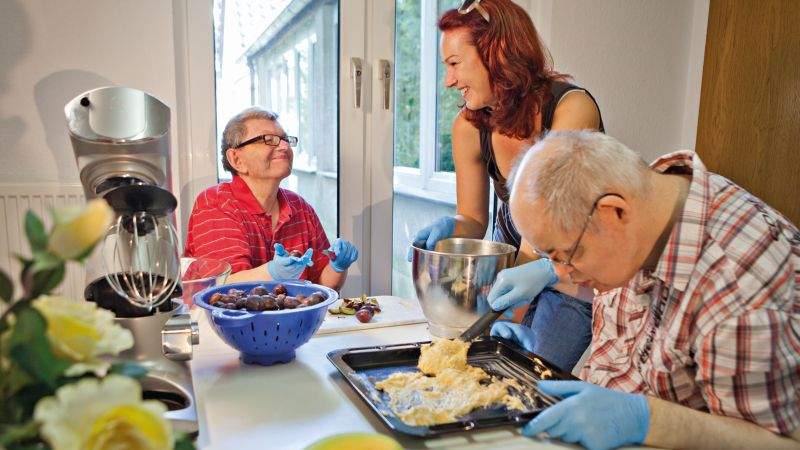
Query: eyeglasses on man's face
[(271, 140), (574, 248), (469, 5)]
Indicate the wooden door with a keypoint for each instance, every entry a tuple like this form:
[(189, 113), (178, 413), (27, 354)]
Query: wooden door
[(749, 122)]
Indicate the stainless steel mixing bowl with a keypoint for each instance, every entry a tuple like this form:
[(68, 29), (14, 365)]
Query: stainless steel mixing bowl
[(453, 279)]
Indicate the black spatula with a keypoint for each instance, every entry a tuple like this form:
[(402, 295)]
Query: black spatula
[(480, 325)]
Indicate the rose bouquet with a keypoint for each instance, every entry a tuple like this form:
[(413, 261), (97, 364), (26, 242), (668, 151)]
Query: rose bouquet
[(56, 388)]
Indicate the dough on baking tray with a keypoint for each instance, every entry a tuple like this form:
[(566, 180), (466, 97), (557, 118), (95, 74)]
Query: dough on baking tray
[(453, 388)]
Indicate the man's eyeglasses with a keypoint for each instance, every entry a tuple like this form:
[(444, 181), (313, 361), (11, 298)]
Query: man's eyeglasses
[(574, 248), (271, 140), (469, 5)]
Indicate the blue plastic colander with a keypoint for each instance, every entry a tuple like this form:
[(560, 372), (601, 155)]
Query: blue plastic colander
[(267, 337)]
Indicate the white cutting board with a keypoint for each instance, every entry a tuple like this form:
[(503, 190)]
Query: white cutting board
[(394, 311)]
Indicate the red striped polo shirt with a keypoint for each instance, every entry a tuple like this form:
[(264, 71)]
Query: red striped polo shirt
[(228, 223)]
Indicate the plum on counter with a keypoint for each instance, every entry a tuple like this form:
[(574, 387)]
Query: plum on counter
[(364, 315), (364, 308), (261, 299)]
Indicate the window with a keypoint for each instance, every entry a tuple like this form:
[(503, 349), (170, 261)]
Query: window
[(424, 178), (283, 55)]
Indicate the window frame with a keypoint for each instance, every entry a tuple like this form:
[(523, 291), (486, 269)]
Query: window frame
[(426, 181)]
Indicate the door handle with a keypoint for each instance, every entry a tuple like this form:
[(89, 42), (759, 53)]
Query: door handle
[(385, 75), (356, 70)]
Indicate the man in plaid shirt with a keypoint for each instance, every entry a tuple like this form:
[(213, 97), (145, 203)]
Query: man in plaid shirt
[(264, 232), (696, 321)]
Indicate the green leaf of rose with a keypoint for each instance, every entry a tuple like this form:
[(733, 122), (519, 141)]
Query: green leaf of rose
[(82, 257), (6, 287), (34, 230), (25, 399), (45, 261), (46, 280), (29, 446), (16, 379), (11, 433), (30, 348), (183, 442)]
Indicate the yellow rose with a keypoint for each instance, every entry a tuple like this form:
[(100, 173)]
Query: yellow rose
[(81, 331), (103, 414), (78, 229)]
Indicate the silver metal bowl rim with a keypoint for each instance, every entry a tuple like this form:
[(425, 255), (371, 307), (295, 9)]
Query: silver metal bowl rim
[(511, 248)]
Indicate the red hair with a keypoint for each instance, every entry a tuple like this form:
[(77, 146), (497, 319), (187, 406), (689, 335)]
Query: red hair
[(520, 75)]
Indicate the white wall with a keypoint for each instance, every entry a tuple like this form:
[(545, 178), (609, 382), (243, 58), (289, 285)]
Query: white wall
[(53, 51), (642, 60)]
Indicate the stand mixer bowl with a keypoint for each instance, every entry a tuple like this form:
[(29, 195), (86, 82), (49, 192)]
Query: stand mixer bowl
[(141, 257)]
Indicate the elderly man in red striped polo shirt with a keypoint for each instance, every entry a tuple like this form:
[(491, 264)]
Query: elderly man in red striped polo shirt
[(696, 324), (264, 232)]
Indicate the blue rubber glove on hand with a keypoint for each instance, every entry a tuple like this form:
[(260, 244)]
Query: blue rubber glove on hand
[(593, 416), (346, 254), (517, 286), (427, 237), (520, 334), (285, 266)]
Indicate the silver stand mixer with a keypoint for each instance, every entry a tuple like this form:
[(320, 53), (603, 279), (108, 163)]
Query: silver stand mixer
[(120, 137)]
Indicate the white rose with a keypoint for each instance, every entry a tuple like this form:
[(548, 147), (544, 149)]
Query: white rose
[(82, 332), (106, 414), (78, 229)]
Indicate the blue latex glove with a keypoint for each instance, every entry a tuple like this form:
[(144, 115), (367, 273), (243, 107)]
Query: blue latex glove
[(427, 237), (517, 286), (520, 334), (285, 266), (346, 254), (593, 416)]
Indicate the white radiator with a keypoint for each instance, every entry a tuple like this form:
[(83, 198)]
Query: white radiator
[(15, 201)]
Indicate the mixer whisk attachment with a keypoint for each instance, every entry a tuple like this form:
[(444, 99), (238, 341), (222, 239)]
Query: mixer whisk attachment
[(140, 252)]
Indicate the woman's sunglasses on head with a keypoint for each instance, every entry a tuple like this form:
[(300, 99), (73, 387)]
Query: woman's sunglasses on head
[(469, 5)]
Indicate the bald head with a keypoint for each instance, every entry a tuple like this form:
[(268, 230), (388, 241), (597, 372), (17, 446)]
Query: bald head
[(567, 171)]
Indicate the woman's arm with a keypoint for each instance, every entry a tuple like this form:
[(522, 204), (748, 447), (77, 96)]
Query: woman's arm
[(576, 111), (472, 181)]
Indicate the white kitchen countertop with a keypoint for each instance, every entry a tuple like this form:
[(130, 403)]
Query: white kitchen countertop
[(289, 406)]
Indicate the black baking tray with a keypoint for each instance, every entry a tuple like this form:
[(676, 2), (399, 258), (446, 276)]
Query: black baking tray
[(364, 366)]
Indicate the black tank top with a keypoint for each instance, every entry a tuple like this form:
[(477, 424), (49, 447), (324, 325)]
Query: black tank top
[(504, 229)]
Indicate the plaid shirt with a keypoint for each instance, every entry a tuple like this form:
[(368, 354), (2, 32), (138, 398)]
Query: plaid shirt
[(228, 223), (716, 325)]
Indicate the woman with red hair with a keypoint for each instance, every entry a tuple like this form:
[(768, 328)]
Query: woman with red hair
[(512, 96)]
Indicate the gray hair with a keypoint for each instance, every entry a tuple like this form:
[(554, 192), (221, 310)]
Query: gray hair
[(570, 170), (235, 131)]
